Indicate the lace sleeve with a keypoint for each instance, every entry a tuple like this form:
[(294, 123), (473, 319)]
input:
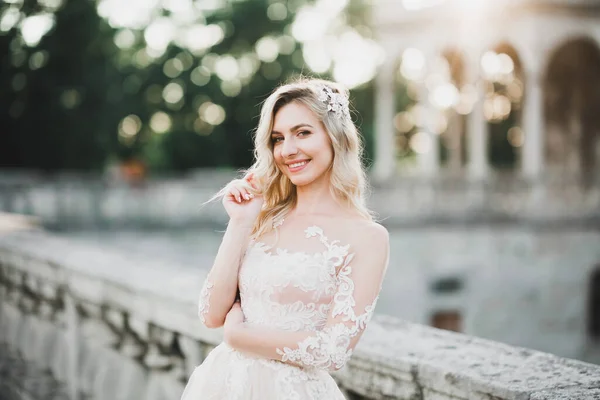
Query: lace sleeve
[(358, 285), (204, 301), (351, 309), (205, 292)]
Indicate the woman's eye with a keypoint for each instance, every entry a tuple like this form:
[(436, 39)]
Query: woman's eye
[(304, 133), (276, 139)]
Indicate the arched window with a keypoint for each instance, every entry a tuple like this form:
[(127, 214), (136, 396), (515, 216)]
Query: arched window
[(450, 320), (594, 304)]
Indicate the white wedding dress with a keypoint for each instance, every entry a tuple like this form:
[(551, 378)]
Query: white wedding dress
[(309, 289)]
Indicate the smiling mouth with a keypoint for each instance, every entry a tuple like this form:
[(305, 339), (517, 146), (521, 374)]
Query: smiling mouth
[(294, 167)]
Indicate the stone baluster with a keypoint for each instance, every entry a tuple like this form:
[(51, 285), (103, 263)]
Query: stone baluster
[(72, 336), (156, 357), (135, 338)]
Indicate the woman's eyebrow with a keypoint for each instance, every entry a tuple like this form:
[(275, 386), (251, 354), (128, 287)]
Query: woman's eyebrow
[(293, 128)]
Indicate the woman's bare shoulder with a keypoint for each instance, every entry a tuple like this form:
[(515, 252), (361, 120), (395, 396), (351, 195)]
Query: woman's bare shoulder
[(369, 231), (362, 233)]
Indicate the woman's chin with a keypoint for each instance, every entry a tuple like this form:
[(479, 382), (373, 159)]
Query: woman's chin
[(300, 180)]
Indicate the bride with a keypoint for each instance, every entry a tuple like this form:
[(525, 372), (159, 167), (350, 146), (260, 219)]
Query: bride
[(302, 248)]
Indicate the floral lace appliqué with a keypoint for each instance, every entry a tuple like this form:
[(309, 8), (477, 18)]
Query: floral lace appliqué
[(204, 301)]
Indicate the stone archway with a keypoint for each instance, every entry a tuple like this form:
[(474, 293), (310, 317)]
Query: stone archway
[(593, 306), (453, 150), (503, 73), (572, 102)]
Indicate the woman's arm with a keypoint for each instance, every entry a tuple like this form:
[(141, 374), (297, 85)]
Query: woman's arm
[(220, 287), (221, 284), (358, 287)]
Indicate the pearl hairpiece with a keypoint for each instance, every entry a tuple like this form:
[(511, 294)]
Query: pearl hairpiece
[(336, 102)]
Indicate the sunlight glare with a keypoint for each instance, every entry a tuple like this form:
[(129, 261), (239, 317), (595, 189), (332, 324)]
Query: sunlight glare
[(160, 122), (317, 56), (212, 113), (159, 34), (490, 64), (35, 27), (310, 24), (9, 19), (331, 7), (51, 5), (200, 76), (420, 143), (413, 64), (231, 88), (507, 65), (445, 96), (173, 93), (226, 68), (515, 136), (134, 14), (356, 59), (471, 5), (124, 39), (267, 49), (413, 5), (130, 126), (201, 37), (277, 12), (248, 65)]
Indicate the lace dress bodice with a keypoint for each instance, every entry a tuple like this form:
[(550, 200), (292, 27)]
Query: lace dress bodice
[(290, 290), (313, 289), (307, 299)]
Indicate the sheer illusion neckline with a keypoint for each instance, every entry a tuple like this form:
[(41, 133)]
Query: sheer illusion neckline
[(278, 251)]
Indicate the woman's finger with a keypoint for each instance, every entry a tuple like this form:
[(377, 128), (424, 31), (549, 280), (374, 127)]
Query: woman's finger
[(235, 194), (250, 178)]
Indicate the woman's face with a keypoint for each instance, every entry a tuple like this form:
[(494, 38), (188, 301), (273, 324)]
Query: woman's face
[(301, 146)]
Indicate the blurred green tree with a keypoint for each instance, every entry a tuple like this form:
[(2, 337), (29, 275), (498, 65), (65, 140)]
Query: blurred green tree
[(93, 90), (54, 111)]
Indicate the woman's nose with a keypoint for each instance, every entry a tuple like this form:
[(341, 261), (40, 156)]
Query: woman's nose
[(289, 148)]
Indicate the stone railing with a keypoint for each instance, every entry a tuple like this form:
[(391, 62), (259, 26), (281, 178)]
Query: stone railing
[(72, 202), (107, 325), (422, 15)]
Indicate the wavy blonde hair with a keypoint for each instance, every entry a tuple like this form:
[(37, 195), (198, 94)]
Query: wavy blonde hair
[(348, 183)]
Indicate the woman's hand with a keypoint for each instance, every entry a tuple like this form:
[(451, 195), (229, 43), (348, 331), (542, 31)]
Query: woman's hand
[(242, 201), (233, 321)]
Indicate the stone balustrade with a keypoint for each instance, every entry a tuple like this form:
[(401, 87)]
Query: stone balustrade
[(111, 325), (90, 202)]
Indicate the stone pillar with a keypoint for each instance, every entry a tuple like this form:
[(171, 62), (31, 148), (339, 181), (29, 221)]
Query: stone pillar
[(428, 163), (454, 141), (385, 109), (477, 126), (533, 124), (72, 335)]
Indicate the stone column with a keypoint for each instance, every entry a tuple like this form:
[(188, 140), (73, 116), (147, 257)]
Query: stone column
[(477, 126), (428, 163), (454, 140), (533, 124), (385, 108), (72, 334)]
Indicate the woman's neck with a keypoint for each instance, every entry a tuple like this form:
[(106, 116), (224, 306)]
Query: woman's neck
[(315, 198)]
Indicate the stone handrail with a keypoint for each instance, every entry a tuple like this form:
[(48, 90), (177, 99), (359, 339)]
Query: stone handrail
[(393, 16), (115, 326), (84, 202)]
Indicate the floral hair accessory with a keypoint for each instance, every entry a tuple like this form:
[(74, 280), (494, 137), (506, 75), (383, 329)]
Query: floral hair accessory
[(336, 102)]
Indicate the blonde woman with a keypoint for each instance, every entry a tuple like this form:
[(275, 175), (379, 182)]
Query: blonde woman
[(303, 250)]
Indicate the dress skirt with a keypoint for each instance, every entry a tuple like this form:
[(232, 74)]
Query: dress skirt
[(227, 374)]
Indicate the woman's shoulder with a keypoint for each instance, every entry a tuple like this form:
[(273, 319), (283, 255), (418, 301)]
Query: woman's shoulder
[(365, 233), (359, 232)]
